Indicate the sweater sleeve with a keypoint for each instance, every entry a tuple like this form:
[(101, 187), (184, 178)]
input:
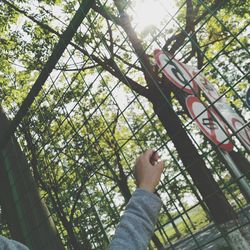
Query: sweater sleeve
[(137, 223), (7, 244)]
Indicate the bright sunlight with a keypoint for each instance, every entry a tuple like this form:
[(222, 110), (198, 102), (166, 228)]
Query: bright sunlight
[(148, 13)]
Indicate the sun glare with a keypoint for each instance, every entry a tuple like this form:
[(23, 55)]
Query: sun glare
[(147, 13)]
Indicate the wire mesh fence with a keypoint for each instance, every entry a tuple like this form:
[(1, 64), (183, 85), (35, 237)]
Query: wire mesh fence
[(168, 75)]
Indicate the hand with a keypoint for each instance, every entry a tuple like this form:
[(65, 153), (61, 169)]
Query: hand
[(148, 170)]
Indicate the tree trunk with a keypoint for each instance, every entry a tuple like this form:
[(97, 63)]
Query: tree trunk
[(72, 238), (241, 162), (123, 186), (217, 203), (28, 218)]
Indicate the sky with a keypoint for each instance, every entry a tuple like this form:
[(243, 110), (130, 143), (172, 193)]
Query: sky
[(146, 13)]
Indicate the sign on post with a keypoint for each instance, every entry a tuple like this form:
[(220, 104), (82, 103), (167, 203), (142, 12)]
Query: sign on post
[(234, 121), (208, 88), (206, 117), (191, 81), (209, 122), (176, 72)]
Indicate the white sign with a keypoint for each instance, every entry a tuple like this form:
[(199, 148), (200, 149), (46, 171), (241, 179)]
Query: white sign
[(234, 121), (191, 81), (176, 72), (209, 122), (208, 88)]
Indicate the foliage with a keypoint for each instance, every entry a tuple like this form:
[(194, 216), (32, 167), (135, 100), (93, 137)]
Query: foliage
[(95, 113)]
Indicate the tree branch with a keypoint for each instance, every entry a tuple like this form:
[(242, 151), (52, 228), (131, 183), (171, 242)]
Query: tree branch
[(42, 25), (111, 46), (106, 176), (64, 68), (139, 89), (105, 14), (113, 69), (191, 22), (127, 63), (72, 211), (214, 7), (147, 68)]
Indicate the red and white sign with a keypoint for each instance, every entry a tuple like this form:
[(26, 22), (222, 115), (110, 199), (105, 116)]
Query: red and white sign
[(191, 81), (176, 72), (209, 122), (208, 88), (235, 122)]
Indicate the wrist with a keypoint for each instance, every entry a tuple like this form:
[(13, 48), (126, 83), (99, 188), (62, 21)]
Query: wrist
[(147, 188)]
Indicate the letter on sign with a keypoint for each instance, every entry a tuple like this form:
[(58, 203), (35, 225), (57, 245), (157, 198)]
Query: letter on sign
[(176, 72)]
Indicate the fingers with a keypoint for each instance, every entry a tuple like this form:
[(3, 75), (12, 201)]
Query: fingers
[(160, 165), (148, 170), (148, 153), (154, 158), (151, 156)]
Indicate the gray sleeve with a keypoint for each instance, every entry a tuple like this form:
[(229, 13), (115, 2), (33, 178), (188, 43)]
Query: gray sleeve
[(137, 223), (6, 244)]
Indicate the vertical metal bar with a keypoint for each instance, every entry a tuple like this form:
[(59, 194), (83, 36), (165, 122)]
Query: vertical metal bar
[(237, 174)]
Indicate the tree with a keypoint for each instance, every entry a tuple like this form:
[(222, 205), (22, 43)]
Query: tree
[(117, 58), (23, 207), (202, 178)]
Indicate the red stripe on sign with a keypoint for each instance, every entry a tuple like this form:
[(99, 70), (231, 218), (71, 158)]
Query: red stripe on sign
[(211, 122)]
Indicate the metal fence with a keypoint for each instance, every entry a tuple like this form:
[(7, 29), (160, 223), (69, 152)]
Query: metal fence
[(85, 97)]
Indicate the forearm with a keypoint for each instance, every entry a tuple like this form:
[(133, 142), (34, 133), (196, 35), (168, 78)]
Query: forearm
[(137, 224)]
